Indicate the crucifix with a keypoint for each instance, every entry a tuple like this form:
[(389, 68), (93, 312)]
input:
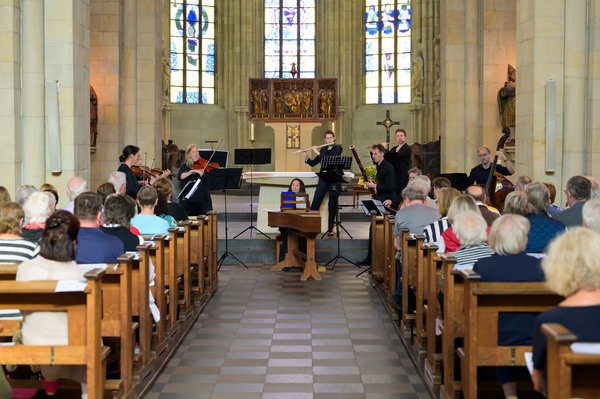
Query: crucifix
[(388, 123)]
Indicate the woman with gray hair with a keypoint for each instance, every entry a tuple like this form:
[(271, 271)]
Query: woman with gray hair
[(515, 203), (471, 230), (573, 271), (543, 228), (510, 263), (38, 207)]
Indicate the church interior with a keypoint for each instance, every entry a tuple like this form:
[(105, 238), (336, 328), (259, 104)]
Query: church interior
[(232, 75)]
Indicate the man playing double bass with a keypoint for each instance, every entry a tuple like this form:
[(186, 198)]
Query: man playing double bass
[(479, 174)]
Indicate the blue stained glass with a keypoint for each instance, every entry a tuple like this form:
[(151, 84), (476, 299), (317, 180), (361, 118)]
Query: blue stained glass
[(289, 32), (193, 97), (208, 96), (272, 31), (178, 95), (271, 75), (372, 46), (205, 20), (272, 15), (179, 19), (209, 63), (372, 62), (289, 16), (271, 3), (387, 20), (208, 47)]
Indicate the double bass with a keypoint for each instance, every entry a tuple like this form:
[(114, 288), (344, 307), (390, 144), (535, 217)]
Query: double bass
[(497, 186)]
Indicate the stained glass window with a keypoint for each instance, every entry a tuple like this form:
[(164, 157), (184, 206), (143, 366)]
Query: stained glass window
[(192, 51), (289, 38), (387, 51)]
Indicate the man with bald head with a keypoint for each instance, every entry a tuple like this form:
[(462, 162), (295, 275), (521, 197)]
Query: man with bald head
[(75, 186), (478, 194)]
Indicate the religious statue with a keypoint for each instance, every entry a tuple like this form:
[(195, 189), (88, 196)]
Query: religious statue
[(256, 103), (166, 78), (264, 103), (323, 101), (277, 103), (507, 99), (417, 76), (93, 118), (306, 102), (330, 102)]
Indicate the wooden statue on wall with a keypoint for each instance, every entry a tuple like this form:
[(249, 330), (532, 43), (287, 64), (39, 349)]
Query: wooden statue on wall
[(93, 119), (507, 99)]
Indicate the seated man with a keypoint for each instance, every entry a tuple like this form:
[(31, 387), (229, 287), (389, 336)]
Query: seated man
[(543, 228), (579, 190), (94, 245), (477, 192), (146, 221)]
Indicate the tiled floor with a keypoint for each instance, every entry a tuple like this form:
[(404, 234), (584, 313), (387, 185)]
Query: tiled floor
[(268, 335)]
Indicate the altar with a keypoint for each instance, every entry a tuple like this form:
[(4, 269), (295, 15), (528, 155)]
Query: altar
[(272, 184)]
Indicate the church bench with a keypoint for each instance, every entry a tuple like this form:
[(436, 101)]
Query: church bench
[(210, 252), (83, 311), (198, 260), (182, 241), (421, 289), (389, 283), (140, 304), (569, 374), (433, 265), (483, 303), (452, 325), (410, 259), (377, 244)]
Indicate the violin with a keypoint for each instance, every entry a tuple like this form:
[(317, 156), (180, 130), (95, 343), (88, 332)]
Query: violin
[(146, 172), (206, 166)]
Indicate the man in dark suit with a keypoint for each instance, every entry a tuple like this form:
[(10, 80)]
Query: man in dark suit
[(578, 191), (386, 178)]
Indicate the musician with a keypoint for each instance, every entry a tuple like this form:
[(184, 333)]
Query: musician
[(200, 202), (399, 157), (385, 188), (329, 150), (129, 159), (479, 174), (296, 186)]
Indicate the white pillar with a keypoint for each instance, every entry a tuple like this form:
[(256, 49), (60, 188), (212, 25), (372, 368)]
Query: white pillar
[(32, 94)]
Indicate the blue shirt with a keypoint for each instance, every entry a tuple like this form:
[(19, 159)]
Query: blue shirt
[(95, 246), (150, 224)]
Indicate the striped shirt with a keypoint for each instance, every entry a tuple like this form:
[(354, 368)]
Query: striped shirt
[(467, 256), (17, 251), (433, 233)]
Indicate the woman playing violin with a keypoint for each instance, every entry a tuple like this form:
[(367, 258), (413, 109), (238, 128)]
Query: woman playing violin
[(135, 174), (196, 168)]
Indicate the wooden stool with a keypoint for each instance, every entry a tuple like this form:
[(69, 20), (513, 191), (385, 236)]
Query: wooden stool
[(356, 192)]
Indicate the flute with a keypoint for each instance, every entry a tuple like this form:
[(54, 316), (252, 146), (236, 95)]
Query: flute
[(307, 149)]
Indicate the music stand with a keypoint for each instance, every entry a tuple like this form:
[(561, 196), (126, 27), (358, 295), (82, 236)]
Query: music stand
[(339, 255), (331, 177), (226, 179), (251, 157)]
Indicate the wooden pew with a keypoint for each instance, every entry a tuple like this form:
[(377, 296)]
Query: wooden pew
[(388, 252), (411, 257), (421, 295), (198, 261), (182, 240), (211, 250), (140, 305), (433, 265), (483, 302), (569, 374), (452, 327), (83, 311), (377, 242)]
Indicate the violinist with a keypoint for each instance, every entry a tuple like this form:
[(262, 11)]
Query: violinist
[(330, 149), (479, 174), (196, 168), (130, 165)]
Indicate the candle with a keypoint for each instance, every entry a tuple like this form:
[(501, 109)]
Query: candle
[(333, 127), (251, 131)]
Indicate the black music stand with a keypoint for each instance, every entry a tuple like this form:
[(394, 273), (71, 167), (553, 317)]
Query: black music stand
[(339, 255), (331, 177), (226, 179), (251, 157)]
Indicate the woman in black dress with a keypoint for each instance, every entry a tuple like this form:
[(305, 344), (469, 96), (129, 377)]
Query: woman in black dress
[(129, 159), (200, 202)]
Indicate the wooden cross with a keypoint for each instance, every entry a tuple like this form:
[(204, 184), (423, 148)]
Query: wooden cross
[(388, 123)]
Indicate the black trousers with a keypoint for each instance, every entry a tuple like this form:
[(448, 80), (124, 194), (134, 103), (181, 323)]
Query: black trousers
[(334, 190)]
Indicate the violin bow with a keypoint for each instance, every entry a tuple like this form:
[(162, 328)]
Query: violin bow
[(212, 155)]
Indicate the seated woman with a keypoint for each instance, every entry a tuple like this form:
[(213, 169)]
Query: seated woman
[(164, 186), (572, 270), (515, 203), (117, 217), (13, 248), (459, 204), (296, 186), (433, 232), (146, 221), (56, 261), (510, 263), (38, 207)]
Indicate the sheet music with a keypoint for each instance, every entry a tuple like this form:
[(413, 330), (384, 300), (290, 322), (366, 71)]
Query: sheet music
[(70, 285), (91, 266), (193, 189), (529, 361), (586, 348)]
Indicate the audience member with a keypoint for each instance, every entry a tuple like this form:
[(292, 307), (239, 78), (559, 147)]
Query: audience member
[(515, 203), (75, 186), (477, 192), (414, 172), (23, 192), (104, 190), (543, 228), (146, 221), (51, 189), (578, 191), (522, 182), (433, 232), (13, 248), (552, 209), (117, 216), (591, 214), (4, 194), (428, 200), (595, 193), (38, 207), (472, 232), (509, 263), (439, 183), (459, 204), (119, 181), (573, 271), (164, 185), (94, 245), (56, 261)]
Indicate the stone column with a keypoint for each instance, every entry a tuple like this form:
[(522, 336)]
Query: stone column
[(128, 86), (472, 100), (32, 120), (242, 128), (10, 101)]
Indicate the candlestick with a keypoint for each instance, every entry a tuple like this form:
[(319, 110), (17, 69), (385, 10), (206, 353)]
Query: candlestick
[(333, 127), (251, 131)]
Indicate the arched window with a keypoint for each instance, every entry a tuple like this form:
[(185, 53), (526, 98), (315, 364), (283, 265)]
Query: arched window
[(289, 38), (192, 51), (387, 51)]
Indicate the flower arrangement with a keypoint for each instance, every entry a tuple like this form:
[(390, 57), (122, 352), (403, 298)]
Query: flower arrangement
[(371, 172)]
